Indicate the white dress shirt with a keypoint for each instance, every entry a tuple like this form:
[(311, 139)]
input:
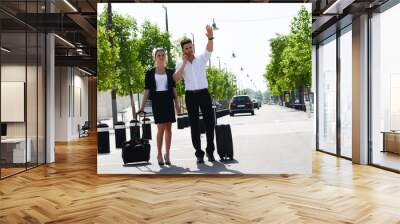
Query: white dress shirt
[(194, 73), (161, 82)]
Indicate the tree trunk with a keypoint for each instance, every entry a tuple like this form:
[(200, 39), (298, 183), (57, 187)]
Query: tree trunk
[(113, 91), (132, 105), (301, 100), (301, 96), (292, 97), (114, 106), (310, 100)]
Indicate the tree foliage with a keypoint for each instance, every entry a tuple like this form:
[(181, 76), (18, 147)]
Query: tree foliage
[(107, 57), (220, 83), (151, 38), (120, 65), (275, 75), (290, 66)]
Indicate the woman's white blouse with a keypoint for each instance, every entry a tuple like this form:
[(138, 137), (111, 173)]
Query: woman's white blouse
[(161, 82)]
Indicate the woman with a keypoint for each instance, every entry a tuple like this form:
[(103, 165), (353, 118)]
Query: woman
[(160, 89)]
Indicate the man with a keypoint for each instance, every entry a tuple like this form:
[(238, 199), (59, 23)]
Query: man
[(193, 71)]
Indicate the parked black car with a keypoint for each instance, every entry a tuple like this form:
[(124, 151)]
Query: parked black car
[(241, 104)]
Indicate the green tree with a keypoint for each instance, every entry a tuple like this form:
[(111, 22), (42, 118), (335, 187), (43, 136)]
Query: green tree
[(220, 83), (151, 38), (108, 71), (296, 56), (107, 57), (275, 74), (230, 87), (129, 73), (290, 66)]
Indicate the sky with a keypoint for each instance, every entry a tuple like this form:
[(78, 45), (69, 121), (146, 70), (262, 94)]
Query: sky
[(243, 28)]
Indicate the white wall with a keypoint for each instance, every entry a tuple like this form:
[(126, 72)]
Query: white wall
[(104, 110), (79, 117), (61, 103), (70, 83)]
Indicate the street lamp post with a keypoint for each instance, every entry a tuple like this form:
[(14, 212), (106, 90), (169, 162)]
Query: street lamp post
[(166, 28), (166, 17), (193, 40)]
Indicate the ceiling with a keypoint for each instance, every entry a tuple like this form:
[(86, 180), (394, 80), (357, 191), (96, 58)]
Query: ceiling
[(330, 15), (74, 22)]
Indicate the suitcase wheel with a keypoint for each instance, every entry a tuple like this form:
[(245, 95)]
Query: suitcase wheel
[(231, 158)]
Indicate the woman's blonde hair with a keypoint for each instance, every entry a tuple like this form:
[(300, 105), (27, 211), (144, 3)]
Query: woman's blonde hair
[(155, 51)]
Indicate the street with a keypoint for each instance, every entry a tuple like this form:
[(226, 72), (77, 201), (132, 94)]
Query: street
[(276, 140)]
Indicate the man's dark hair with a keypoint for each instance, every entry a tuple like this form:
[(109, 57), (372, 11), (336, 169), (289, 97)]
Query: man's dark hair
[(185, 41)]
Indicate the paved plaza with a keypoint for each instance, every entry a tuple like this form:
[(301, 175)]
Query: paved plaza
[(276, 140)]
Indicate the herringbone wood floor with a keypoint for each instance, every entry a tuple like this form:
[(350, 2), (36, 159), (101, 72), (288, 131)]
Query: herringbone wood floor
[(70, 191)]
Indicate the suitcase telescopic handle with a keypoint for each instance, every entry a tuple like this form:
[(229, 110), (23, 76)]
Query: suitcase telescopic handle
[(144, 116)]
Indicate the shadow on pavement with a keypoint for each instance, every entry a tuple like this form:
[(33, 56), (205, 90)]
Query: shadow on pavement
[(217, 167), (173, 169), (203, 168)]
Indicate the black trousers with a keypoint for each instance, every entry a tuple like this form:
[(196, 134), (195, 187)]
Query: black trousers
[(195, 100)]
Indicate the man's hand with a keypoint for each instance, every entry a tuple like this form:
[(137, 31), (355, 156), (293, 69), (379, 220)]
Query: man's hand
[(185, 59), (179, 72), (209, 33)]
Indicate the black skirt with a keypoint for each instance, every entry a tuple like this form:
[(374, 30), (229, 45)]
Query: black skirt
[(163, 107)]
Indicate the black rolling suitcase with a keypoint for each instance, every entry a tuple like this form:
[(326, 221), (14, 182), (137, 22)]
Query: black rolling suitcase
[(223, 137), (183, 121), (135, 151)]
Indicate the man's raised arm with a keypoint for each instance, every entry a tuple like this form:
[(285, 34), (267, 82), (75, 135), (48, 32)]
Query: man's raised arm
[(210, 36)]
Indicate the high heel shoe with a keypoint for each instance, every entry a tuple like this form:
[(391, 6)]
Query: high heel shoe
[(161, 163), (167, 160)]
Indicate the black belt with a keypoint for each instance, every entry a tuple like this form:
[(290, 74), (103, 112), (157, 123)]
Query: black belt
[(197, 90)]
